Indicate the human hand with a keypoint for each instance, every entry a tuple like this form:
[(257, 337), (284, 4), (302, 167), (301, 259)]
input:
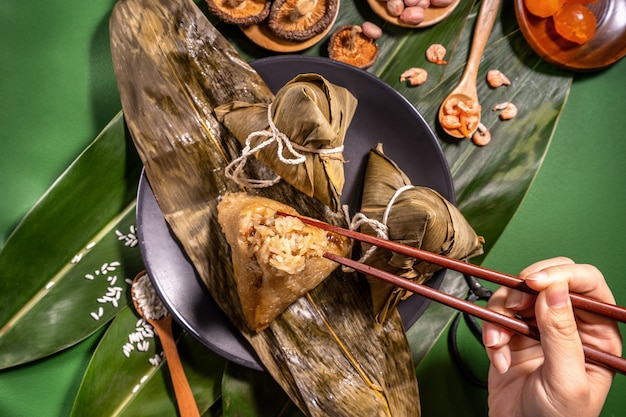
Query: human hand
[(551, 378)]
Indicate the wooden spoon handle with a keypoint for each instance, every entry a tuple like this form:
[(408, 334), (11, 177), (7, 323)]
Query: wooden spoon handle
[(184, 396), (484, 25)]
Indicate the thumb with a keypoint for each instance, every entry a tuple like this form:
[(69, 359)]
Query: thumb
[(564, 359)]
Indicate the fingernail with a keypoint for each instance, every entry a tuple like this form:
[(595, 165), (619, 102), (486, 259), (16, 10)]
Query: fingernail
[(557, 296), (537, 276), (500, 362), (491, 337)]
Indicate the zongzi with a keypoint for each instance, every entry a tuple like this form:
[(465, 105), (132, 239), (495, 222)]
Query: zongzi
[(415, 216), (310, 117), (276, 259)]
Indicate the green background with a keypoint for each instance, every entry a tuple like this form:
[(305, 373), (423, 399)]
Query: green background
[(57, 91)]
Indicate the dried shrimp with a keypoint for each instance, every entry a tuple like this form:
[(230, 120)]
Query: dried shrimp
[(415, 76), (461, 115), (435, 54), (509, 110), (482, 136), (496, 78)]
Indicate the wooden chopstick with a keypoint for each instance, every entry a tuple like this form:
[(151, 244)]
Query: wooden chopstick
[(579, 301), (607, 360)]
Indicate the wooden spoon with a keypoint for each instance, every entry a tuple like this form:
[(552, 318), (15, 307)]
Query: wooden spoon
[(187, 406), (466, 89)]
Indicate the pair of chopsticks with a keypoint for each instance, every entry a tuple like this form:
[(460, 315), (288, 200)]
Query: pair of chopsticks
[(609, 361)]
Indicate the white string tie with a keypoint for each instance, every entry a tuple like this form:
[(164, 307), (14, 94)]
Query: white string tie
[(380, 227), (234, 170)]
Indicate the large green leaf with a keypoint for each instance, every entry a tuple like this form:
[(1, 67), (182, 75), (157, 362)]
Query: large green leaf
[(73, 247), (136, 381), (245, 392), (93, 201)]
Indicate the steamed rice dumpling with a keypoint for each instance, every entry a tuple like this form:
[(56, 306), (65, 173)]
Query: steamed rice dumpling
[(415, 216), (276, 259), (312, 115)]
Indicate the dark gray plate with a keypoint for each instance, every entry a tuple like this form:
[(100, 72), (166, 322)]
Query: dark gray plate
[(382, 116)]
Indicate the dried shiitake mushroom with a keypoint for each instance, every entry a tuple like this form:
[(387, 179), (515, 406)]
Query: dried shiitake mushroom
[(348, 44), (300, 20), (240, 12)]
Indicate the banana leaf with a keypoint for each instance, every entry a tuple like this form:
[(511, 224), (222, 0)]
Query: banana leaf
[(245, 392), (491, 180), (61, 258)]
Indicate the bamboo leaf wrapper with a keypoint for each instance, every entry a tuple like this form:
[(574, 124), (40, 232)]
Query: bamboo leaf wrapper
[(311, 112), (173, 68), (415, 216)]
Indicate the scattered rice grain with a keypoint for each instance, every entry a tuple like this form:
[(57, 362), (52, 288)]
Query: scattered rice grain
[(143, 346), (94, 316), (155, 360), (127, 348), (147, 331), (89, 277), (49, 285), (76, 259), (135, 337), (90, 245)]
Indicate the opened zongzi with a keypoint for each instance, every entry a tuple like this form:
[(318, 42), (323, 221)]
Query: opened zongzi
[(276, 259)]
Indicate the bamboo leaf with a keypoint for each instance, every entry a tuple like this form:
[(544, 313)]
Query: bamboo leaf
[(73, 247), (116, 384)]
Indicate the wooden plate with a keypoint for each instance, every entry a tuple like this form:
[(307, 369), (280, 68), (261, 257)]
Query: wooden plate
[(604, 49), (261, 35), (433, 14)]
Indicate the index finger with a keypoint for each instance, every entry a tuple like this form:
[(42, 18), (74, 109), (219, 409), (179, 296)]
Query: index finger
[(582, 279)]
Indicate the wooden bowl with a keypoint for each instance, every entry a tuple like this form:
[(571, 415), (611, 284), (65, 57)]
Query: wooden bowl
[(261, 35), (604, 49), (433, 14)]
